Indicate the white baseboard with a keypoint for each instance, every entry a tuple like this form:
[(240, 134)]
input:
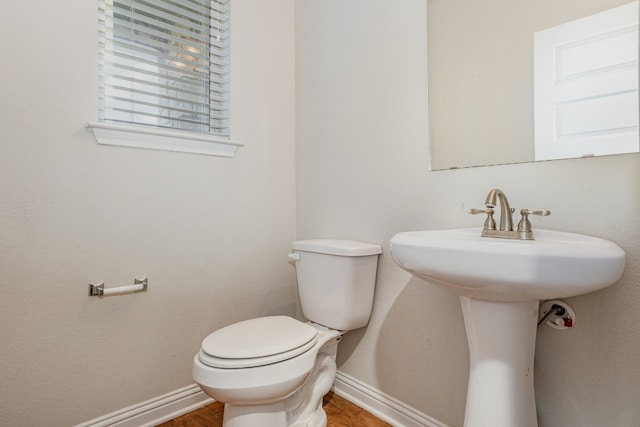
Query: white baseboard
[(154, 411), (381, 405), (179, 402)]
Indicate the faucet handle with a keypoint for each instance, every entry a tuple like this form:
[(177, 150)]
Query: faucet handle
[(541, 212), (480, 211), (489, 223), (525, 224)]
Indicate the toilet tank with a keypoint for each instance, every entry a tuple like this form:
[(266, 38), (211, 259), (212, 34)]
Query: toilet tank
[(336, 281)]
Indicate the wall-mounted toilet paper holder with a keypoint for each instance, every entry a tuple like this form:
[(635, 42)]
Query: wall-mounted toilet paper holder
[(97, 289)]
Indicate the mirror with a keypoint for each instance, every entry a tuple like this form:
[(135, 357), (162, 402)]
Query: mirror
[(481, 81)]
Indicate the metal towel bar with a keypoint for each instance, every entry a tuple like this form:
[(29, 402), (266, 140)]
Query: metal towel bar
[(97, 289)]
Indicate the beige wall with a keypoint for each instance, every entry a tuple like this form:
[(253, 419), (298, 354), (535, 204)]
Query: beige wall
[(211, 233), (361, 141)]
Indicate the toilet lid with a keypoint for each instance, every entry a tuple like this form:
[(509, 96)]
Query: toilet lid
[(257, 342)]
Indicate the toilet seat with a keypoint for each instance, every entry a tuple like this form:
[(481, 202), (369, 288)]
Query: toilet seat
[(257, 342)]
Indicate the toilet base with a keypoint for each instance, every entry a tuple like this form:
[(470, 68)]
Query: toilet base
[(302, 409), (272, 415), (318, 419)]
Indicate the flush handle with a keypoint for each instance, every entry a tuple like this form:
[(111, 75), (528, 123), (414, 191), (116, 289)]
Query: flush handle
[(294, 256)]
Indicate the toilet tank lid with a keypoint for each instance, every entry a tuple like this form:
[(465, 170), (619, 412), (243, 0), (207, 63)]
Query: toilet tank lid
[(337, 247)]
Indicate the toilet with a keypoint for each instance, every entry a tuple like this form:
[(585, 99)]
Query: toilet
[(274, 371)]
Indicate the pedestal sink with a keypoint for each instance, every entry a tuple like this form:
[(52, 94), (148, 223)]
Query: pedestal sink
[(500, 283)]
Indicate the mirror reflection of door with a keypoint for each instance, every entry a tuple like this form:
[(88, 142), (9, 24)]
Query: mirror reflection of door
[(586, 86)]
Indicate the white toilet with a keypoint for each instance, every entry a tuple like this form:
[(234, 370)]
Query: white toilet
[(274, 371)]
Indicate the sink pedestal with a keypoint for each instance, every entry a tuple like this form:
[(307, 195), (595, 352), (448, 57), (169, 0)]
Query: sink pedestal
[(502, 338)]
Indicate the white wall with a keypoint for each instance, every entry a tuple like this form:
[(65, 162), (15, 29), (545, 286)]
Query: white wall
[(212, 234), (362, 159)]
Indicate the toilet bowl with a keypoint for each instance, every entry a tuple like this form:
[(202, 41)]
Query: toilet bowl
[(264, 383), (273, 371)]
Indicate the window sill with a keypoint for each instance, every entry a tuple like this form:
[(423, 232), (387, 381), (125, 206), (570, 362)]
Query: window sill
[(160, 139)]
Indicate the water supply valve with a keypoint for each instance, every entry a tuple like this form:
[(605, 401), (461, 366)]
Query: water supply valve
[(556, 314)]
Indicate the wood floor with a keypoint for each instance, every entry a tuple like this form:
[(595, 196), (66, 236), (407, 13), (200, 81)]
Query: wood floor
[(340, 413)]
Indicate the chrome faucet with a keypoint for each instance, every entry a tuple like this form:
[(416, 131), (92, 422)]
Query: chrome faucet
[(506, 230)]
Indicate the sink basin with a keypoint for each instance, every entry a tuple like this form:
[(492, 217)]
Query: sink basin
[(500, 283), (555, 265)]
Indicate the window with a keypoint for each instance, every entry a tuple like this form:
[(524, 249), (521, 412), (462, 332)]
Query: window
[(164, 75)]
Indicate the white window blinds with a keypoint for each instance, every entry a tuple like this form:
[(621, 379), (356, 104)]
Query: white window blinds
[(165, 63)]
